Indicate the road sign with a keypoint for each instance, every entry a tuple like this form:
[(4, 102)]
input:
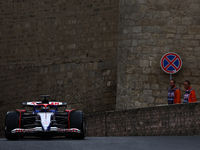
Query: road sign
[(171, 63)]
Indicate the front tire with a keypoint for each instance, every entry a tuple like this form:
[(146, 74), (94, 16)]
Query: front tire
[(11, 122), (77, 121)]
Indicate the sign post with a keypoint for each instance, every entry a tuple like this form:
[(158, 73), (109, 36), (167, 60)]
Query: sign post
[(171, 63)]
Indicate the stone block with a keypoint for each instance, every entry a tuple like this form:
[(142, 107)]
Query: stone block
[(156, 93), (195, 43), (147, 98), (182, 29), (126, 43), (170, 21), (146, 70), (153, 79), (160, 101), (138, 36), (185, 43), (146, 86), (154, 64), (197, 51), (137, 29), (193, 65), (68, 66), (133, 77), (27, 25), (130, 70), (69, 74), (194, 6), (152, 29), (71, 46), (197, 36), (144, 63), (188, 50), (152, 42), (143, 78), (91, 74), (46, 70), (133, 2), (178, 36), (190, 59), (177, 21), (131, 84), (165, 14), (187, 21), (155, 50), (196, 20), (162, 42), (134, 43), (50, 68), (94, 66), (62, 67), (110, 44), (73, 66), (56, 68), (169, 36), (162, 1), (82, 67), (41, 70), (126, 30), (169, 29), (136, 93), (137, 104), (188, 37), (154, 86), (147, 35), (90, 66), (142, 42), (151, 1), (60, 76), (147, 92), (142, 1), (101, 65), (139, 86), (195, 72), (109, 83), (194, 29), (170, 41)]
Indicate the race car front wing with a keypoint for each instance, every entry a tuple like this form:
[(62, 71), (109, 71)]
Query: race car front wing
[(39, 129)]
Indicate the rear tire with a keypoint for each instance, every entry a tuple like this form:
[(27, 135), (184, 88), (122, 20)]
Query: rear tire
[(77, 121), (11, 122)]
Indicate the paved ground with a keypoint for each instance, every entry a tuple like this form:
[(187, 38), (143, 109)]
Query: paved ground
[(106, 143)]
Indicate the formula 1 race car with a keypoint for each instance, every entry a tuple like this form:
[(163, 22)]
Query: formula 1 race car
[(45, 120)]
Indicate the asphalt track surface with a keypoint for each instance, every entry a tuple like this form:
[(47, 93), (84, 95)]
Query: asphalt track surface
[(105, 143)]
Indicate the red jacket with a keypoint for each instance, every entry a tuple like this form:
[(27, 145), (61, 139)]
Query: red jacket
[(177, 96), (192, 97)]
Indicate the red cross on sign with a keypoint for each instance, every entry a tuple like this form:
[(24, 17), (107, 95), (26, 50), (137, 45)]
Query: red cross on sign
[(171, 63)]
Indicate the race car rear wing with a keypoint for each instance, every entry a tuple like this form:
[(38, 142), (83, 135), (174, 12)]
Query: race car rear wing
[(31, 104)]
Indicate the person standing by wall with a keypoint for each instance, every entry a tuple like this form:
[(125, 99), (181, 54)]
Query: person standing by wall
[(174, 93), (189, 96)]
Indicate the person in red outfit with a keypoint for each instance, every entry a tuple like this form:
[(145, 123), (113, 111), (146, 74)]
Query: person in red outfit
[(189, 96), (174, 93)]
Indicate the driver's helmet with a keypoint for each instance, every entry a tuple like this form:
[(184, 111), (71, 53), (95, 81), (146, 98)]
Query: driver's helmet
[(43, 109)]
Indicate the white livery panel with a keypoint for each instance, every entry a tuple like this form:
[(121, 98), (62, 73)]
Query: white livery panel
[(50, 103)]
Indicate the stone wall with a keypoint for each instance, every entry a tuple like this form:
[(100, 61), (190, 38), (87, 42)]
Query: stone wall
[(179, 119), (147, 30), (67, 49)]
